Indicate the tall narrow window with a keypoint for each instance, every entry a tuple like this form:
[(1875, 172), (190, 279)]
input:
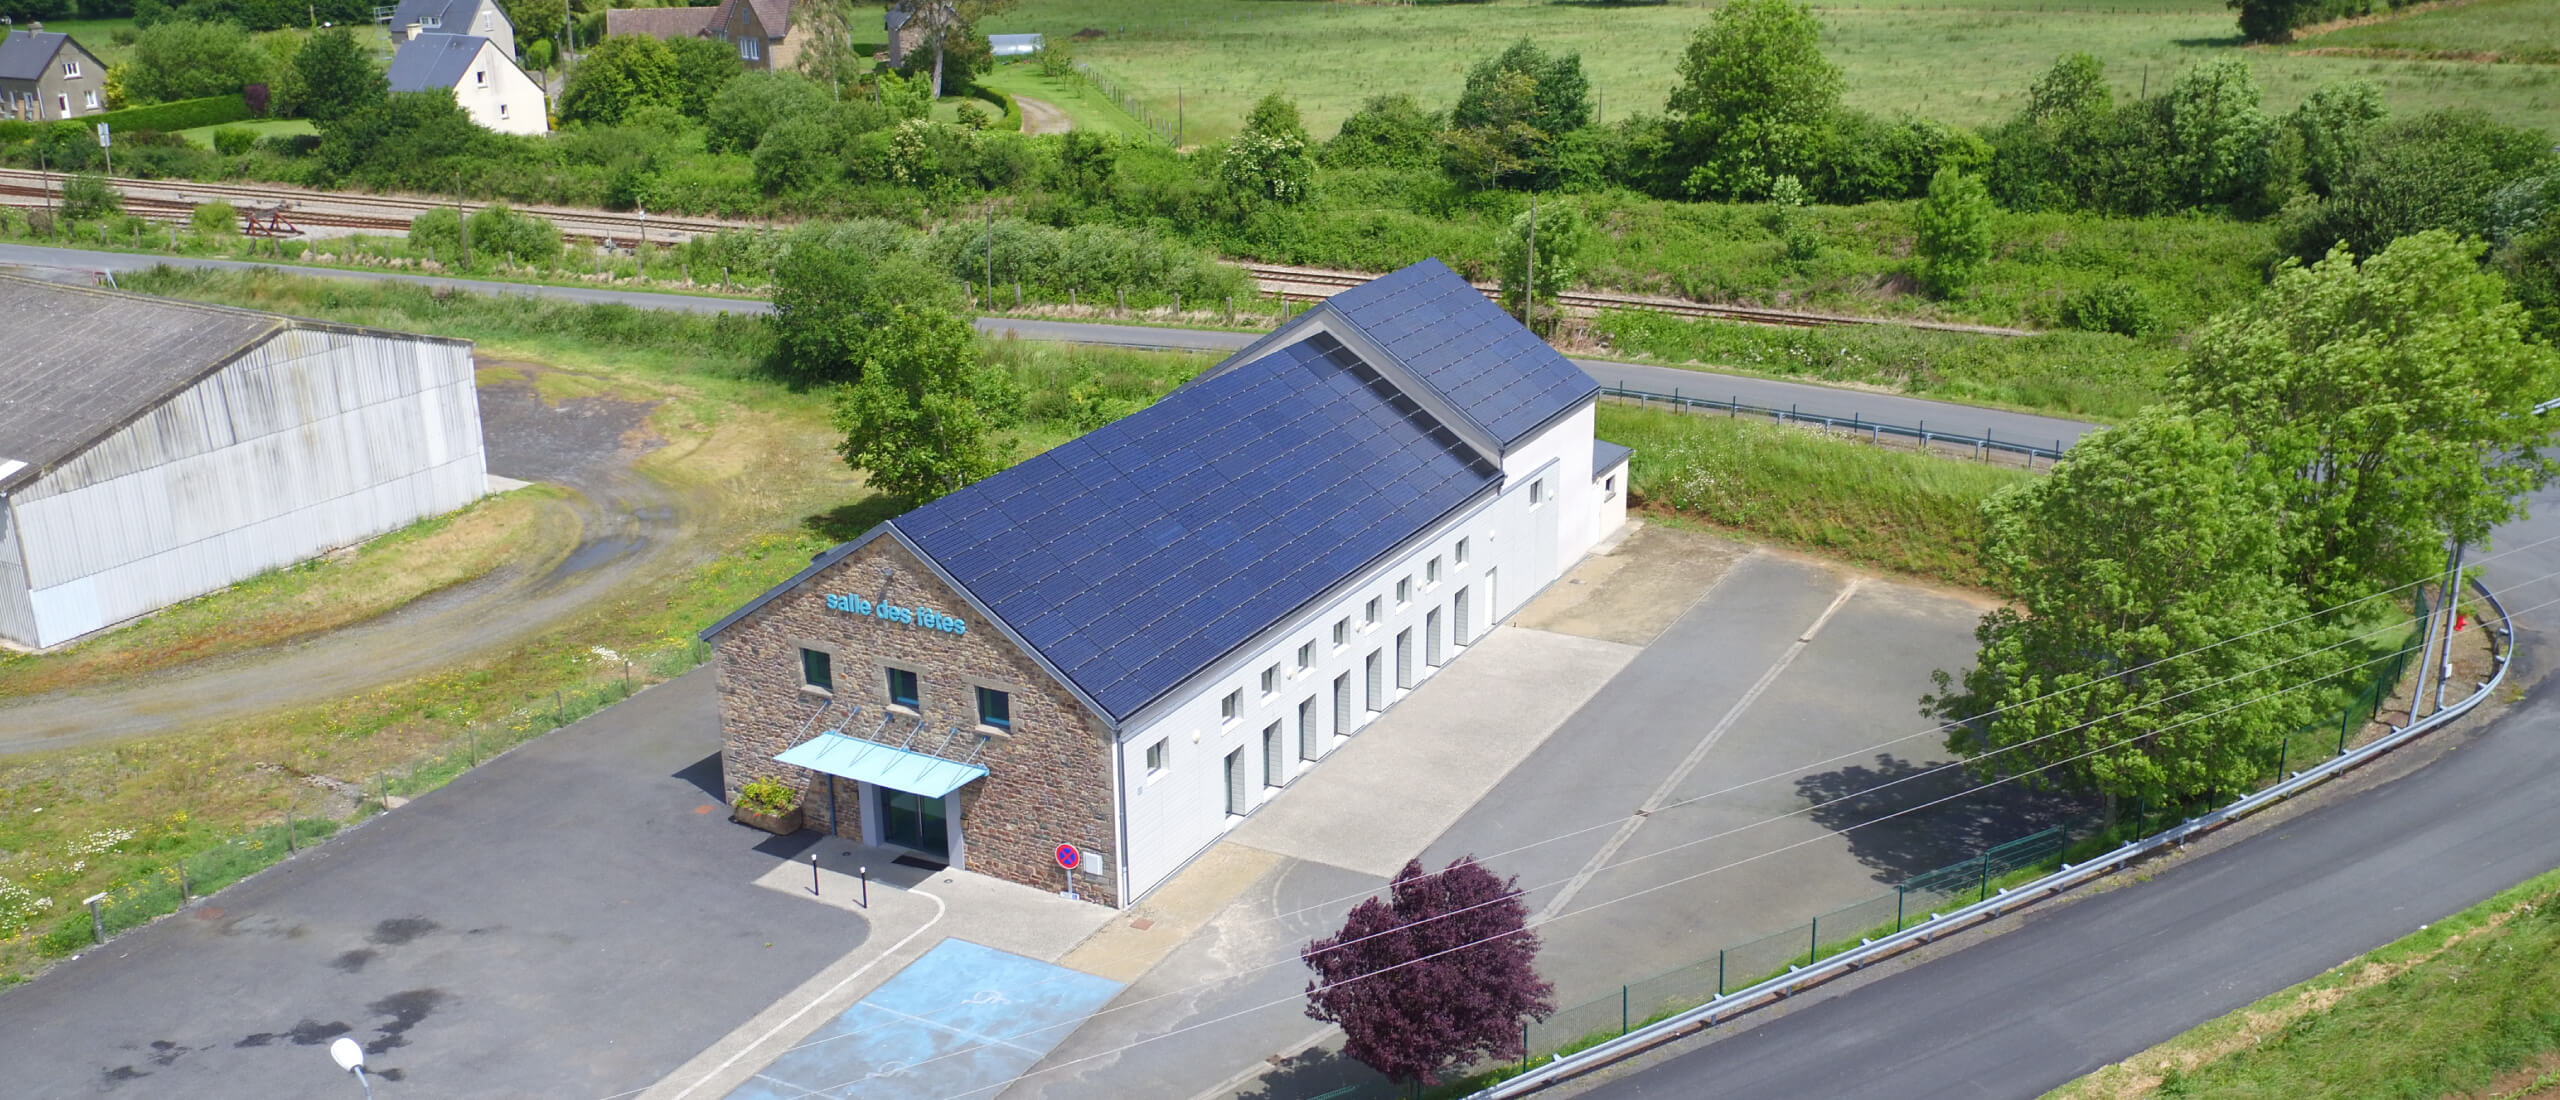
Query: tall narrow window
[(1459, 552), (1537, 492), (995, 709), (1369, 615), (817, 670), (1342, 705), (1309, 746), (1274, 771), (1404, 591), (1271, 680), (1431, 571), (902, 688), (1404, 658), (1458, 617), (1155, 757), (1431, 638), (1377, 669), (1341, 633), (1235, 783)]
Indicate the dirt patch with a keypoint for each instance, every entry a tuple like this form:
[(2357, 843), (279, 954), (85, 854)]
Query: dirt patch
[(2314, 30), (1042, 117), (2541, 1077), (1631, 592), (531, 433)]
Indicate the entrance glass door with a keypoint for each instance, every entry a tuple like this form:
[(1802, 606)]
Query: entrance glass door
[(911, 820)]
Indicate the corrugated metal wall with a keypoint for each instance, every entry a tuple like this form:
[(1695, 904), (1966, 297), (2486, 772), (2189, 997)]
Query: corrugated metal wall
[(17, 617), (313, 440)]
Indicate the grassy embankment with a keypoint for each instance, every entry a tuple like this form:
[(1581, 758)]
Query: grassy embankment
[(1968, 62), (2478, 31), (756, 458), (2468, 1006)]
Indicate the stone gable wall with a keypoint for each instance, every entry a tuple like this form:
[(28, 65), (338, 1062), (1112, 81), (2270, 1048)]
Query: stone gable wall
[(1048, 782)]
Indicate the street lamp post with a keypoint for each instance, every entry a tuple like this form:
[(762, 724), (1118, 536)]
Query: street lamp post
[(350, 1058)]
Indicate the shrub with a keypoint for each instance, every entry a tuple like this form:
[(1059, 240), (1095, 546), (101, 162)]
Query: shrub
[(184, 114), (233, 141), (1954, 225), (752, 103), (186, 59), (972, 117), (215, 218), (1388, 131), (768, 797), (88, 196), (437, 233), (2114, 306), (1054, 60), (498, 231)]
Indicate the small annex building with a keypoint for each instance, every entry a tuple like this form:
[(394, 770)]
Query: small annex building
[(1132, 641), (153, 450)]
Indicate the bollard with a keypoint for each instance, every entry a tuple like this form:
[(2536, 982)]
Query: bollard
[(866, 887), (559, 708), (97, 924), (185, 890), (1231, 309), (626, 679), (1124, 299), (1177, 303), (813, 874), (288, 829), (1017, 294)]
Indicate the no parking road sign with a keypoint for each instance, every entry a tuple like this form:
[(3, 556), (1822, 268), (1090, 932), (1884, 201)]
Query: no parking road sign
[(1069, 857)]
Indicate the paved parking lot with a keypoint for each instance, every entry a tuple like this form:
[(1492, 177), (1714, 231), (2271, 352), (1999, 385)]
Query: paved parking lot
[(574, 919)]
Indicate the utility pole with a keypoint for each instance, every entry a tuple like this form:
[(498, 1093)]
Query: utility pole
[(463, 221), (2452, 620), (991, 250), (1529, 285)]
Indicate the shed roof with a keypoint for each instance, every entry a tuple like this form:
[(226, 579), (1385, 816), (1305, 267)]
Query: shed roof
[(661, 22), (26, 55), (81, 363), (447, 12), (435, 62)]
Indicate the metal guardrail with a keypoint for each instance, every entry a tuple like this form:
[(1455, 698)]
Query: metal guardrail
[(1982, 445), (1795, 980)]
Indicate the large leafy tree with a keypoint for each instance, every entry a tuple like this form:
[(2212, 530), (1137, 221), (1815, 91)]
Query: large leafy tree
[(1516, 106), (750, 105), (946, 22), (1440, 974), (922, 421), (2153, 628), (2439, 170), (1953, 234), (2396, 394), (1268, 161), (186, 59), (397, 140), (833, 295), (337, 78), (622, 74), (703, 66), (1754, 99)]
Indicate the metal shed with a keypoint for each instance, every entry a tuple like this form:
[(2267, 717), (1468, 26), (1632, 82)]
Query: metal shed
[(153, 450)]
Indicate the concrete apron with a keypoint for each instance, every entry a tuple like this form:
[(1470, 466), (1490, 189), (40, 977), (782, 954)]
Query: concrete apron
[(906, 922)]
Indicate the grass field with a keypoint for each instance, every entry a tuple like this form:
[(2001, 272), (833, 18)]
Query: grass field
[(1086, 107), (263, 127), (2526, 31), (2467, 1007), (1961, 61)]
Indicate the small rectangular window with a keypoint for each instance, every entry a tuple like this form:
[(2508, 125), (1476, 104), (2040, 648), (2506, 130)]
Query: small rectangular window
[(995, 709), (1232, 705), (902, 688), (1369, 617), (1609, 487), (480, 76), (1537, 492), (1342, 633), (1404, 591), (1306, 656), (1431, 571), (817, 670), (71, 67), (1271, 679), (1155, 757), (89, 100), (502, 110), (1460, 552)]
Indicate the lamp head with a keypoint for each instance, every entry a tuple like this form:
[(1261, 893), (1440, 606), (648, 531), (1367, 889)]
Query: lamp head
[(349, 1056)]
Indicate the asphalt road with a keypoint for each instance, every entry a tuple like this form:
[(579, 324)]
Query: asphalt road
[(1810, 399), (2093, 982), (576, 918)]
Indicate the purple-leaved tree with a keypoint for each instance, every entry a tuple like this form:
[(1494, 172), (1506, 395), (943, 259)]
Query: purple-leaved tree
[(1439, 975)]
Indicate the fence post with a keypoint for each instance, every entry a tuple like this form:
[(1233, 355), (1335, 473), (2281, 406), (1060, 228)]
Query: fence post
[(1719, 971), (1900, 894), (1524, 1045), (97, 924), (1813, 940), (1625, 1023), (288, 829), (1986, 876)]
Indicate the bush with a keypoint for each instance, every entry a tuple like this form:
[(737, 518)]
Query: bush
[(768, 797), (215, 218), (2115, 306), (437, 233), (1388, 131), (88, 196), (184, 114), (1054, 60), (233, 141), (752, 103), (499, 232)]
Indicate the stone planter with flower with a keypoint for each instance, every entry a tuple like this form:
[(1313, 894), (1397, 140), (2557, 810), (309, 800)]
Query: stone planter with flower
[(768, 805)]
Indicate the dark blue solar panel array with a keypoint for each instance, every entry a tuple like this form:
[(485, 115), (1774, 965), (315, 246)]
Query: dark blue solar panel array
[(1137, 555), (1462, 345)]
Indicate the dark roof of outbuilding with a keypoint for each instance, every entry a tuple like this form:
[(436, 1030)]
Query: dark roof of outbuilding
[(1497, 374), (1131, 559), (434, 62), (25, 55), (445, 11), (1605, 456), (77, 364), (660, 22)]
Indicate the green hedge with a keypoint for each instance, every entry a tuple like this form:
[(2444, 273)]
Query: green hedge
[(184, 114), (1011, 112)]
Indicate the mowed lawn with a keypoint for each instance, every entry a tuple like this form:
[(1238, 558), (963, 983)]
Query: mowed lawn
[(1961, 61), (2526, 31)]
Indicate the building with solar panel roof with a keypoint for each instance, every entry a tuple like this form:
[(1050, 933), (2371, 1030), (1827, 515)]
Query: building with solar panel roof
[(1135, 639)]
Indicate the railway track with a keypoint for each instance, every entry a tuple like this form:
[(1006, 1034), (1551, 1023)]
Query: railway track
[(1306, 284)]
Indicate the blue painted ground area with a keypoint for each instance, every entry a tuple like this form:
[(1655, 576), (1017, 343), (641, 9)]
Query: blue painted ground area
[(963, 1019)]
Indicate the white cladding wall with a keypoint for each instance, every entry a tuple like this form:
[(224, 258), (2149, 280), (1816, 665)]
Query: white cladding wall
[(313, 440), (499, 96), (17, 616), (1514, 550)]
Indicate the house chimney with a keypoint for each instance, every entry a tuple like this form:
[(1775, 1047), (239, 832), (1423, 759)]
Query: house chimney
[(411, 30), (36, 27)]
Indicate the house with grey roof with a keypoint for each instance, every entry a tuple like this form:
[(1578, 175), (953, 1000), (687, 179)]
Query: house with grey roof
[(46, 75), (760, 30), (154, 450), (483, 79), (481, 17)]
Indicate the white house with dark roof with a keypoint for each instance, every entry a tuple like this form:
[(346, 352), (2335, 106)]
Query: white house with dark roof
[(483, 79), (480, 17), (1131, 642), (153, 450)]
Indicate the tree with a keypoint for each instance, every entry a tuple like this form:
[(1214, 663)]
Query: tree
[(2217, 136), (832, 298), (393, 141), (2438, 170), (797, 154), (1516, 106), (185, 59), (2271, 20), (1792, 220), (2333, 126), (703, 66), (1441, 974), (1388, 131), (829, 32), (2139, 658), (1562, 234), (922, 419), (2397, 393), (1268, 161), (947, 21), (1954, 230), (1754, 96), (752, 103), (337, 77), (621, 74)]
